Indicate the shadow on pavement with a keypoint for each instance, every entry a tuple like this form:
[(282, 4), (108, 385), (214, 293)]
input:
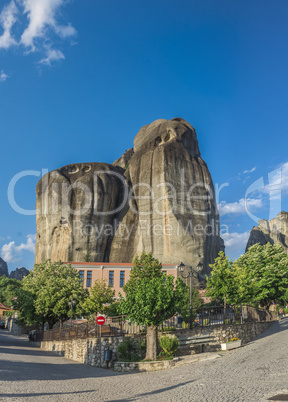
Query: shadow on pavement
[(25, 351), (30, 371), (43, 394), (278, 326), (158, 391)]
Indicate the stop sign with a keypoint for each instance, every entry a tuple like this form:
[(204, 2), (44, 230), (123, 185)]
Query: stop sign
[(100, 320)]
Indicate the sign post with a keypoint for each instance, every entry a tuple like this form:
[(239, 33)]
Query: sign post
[(100, 321)]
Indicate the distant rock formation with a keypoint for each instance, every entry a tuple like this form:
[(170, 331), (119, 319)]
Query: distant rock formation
[(274, 231), (3, 268), (19, 273), (158, 197)]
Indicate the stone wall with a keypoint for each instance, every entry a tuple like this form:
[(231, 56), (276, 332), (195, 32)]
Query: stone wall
[(223, 333), (145, 366), (85, 350)]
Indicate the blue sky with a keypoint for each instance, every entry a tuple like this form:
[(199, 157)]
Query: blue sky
[(78, 79)]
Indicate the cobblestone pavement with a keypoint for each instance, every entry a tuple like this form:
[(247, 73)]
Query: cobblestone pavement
[(254, 372)]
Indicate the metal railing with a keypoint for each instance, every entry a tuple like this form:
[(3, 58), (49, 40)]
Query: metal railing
[(220, 315), (120, 326)]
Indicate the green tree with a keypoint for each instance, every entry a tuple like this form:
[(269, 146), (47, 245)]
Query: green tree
[(8, 290), (183, 307), (263, 275), (222, 284), (46, 292), (151, 298), (259, 277), (100, 295), (113, 310), (24, 304)]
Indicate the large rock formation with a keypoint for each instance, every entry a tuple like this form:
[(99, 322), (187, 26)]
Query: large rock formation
[(77, 208), (172, 210), (3, 268), (274, 231), (19, 273)]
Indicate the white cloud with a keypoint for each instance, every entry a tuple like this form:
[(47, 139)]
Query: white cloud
[(250, 171), (41, 16), (239, 207), (10, 252), (235, 243), (7, 20), (39, 26), (52, 55), (3, 76)]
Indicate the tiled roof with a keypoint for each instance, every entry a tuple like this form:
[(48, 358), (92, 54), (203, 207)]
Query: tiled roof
[(128, 264), (4, 307)]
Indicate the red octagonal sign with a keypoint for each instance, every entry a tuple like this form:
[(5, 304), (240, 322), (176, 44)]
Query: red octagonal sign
[(100, 320)]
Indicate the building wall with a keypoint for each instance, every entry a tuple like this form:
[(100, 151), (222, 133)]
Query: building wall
[(3, 310), (100, 271)]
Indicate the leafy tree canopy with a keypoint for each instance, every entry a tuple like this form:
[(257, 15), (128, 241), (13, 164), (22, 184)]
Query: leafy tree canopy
[(100, 294), (46, 293), (264, 276), (151, 297), (184, 305), (258, 277), (8, 290), (221, 284)]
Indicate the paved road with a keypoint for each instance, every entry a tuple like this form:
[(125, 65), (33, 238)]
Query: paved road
[(254, 372)]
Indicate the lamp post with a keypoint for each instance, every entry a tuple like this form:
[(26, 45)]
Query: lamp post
[(71, 304), (190, 275)]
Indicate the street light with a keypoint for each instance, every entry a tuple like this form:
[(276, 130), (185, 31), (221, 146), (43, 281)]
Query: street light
[(71, 304), (190, 275)]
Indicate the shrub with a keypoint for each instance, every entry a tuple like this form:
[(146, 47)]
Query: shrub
[(167, 329), (169, 344), (227, 321), (125, 349), (129, 352), (206, 321), (163, 356), (141, 348), (185, 325)]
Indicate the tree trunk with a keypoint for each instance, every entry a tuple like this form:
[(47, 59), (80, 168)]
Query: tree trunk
[(151, 338), (224, 312), (51, 324)]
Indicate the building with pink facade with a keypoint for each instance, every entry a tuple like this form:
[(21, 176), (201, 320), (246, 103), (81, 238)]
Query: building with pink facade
[(116, 275)]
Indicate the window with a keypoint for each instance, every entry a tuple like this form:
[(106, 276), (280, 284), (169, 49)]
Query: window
[(122, 278), (164, 273), (111, 279), (89, 279), (81, 274)]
